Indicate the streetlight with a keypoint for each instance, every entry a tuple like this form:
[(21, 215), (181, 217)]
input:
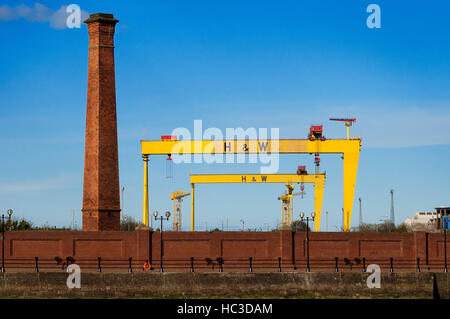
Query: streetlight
[(155, 213), (302, 215), (9, 212)]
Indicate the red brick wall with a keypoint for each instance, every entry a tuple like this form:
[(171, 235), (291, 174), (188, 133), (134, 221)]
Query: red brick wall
[(180, 246), (77, 244)]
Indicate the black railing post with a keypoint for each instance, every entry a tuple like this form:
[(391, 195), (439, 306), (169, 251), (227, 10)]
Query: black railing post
[(392, 265), (418, 264), (251, 264), (99, 264), (192, 264), (336, 269), (364, 264), (220, 264), (279, 264), (36, 264), (130, 269)]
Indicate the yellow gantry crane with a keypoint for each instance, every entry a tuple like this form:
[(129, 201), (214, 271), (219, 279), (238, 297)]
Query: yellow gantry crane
[(177, 198), (287, 205), (317, 179), (349, 148)]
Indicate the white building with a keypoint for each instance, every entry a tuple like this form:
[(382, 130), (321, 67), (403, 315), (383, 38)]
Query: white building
[(422, 221)]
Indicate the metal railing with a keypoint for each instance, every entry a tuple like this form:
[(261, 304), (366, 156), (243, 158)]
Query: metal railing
[(220, 264)]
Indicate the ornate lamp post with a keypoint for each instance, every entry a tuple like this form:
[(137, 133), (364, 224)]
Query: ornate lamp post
[(155, 213), (302, 215), (9, 212)]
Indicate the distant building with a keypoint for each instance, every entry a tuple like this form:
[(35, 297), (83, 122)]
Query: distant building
[(427, 221), (422, 221), (442, 212)]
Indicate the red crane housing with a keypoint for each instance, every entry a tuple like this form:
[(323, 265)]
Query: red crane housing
[(316, 133)]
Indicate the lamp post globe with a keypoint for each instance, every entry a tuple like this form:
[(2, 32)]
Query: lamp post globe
[(155, 213)]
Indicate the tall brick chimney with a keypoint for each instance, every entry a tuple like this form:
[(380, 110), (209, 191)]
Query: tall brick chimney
[(101, 190)]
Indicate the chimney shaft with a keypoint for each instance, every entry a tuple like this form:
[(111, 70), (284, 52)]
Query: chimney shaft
[(101, 193)]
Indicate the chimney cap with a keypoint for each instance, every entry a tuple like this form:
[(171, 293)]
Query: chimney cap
[(101, 17)]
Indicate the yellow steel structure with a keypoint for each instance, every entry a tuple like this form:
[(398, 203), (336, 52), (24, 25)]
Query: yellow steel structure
[(177, 198), (287, 205), (350, 149), (145, 211), (317, 179)]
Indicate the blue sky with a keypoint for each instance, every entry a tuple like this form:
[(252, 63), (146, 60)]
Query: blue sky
[(262, 64)]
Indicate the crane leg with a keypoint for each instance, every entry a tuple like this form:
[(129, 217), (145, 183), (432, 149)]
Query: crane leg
[(350, 171), (192, 207), (145, 206), (319, 186)]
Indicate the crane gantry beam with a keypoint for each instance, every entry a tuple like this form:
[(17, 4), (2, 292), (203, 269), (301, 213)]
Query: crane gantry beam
[(350, 149), (317, 179)]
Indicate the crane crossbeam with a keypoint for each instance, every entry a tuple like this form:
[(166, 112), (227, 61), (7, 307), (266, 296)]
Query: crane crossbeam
[(282, 146), (255, 178)]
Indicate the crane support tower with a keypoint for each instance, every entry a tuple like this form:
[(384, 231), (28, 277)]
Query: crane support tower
[(317, 179), (287, 204), (177, 198), (349, 148)]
